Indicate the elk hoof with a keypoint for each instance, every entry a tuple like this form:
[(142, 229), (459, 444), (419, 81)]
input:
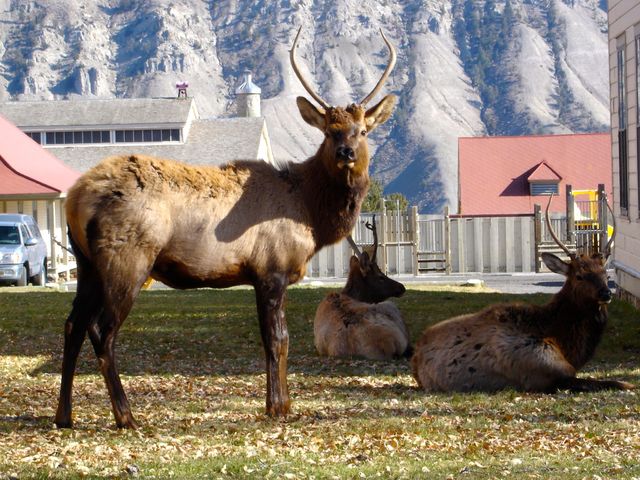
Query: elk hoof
[(281, 410), (127, 422), (63, 423), (625, 385)]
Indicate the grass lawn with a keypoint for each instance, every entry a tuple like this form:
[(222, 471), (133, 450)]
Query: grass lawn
[(192, 365)]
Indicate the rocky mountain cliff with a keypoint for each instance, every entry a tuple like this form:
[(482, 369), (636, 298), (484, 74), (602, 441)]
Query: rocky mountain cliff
[(465, 67)]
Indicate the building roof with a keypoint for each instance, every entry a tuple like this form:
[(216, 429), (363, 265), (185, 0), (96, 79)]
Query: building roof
[(210, 142), (247, 87), (544, 173), (494, 172), (78, 113), (26, 168)]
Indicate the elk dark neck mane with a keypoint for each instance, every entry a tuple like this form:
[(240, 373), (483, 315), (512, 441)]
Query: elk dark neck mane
[(357, 290), (333, 202), (575, 327)]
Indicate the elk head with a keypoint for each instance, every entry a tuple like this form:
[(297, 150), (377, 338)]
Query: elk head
[(344, 149), (366, 281), (587, 282)]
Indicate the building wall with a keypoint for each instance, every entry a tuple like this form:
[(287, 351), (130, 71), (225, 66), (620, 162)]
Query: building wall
[(624, 29)]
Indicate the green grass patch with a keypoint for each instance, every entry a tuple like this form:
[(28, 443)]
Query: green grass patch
[(192, 364)]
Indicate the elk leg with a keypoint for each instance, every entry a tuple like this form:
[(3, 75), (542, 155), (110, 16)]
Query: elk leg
[(86, 306), (103, 336), (275, 339), (575, 384)]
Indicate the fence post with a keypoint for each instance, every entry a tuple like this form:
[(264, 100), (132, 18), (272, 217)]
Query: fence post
[(602, 218), (571, 224), (416, 238), (384, 237), (537, 222), (447, 240)]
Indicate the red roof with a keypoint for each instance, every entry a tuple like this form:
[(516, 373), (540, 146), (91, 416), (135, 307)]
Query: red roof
[(543, 173), (26, 168), (494, 172)]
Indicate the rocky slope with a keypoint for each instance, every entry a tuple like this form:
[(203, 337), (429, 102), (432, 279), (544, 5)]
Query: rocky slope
[(465, 67)]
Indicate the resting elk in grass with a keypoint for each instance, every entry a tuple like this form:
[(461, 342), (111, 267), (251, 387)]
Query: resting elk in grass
[(131, 217), (353, 323), (524, 347)]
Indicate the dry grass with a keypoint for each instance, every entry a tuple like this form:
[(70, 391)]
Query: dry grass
[(193, 367)]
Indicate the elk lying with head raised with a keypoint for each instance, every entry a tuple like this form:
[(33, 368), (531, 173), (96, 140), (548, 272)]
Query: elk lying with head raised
[(353, 323), (131, 217), (525, 347)]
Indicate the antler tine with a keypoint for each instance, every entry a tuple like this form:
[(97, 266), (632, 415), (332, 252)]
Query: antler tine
[(553, 234), (307, 87), (354, 246), (375, 237), (387, 72), (607, 248)]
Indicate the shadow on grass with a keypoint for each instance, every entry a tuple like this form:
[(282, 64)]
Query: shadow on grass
[(215, 332)]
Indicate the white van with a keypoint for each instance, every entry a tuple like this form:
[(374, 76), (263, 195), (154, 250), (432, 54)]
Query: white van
[(23, 252)]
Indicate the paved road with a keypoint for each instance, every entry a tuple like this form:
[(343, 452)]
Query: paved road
[(501, 282)]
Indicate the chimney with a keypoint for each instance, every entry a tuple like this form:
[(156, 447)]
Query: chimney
[(248, 97), (182, 89)]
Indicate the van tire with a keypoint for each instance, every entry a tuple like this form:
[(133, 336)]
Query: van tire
[(41, 278), (22, 281)]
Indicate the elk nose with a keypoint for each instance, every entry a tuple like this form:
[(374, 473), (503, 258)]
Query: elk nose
[(604, 295), (345, 152)]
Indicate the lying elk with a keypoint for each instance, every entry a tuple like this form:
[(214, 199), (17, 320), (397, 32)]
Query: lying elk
[(525, 347), (131, 217), (353, 323)]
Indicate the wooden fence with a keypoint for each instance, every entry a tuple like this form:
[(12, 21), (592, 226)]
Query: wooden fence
[(412, 244)]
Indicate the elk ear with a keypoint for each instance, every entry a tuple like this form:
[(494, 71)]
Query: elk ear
[(380, 113), (354, 262), (555, 264), (310, 114)]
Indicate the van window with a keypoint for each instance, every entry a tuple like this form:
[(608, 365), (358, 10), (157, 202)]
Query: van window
[(9, 235), (25, 232), (33, 229)]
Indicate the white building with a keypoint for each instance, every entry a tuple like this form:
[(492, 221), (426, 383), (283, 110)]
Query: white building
[(624, 78), (82, 132)]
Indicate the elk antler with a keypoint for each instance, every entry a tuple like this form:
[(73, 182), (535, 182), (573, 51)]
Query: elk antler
[(307, 87), (387, 72), (318, 98), (375, 237), (553, 234), (354, 246), (607, 248)]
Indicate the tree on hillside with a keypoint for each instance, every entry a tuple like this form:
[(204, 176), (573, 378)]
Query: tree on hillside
[(373, 200)]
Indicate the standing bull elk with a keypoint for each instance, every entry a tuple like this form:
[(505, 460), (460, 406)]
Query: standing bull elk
[(131, 217), (525, 347), (353, 323)]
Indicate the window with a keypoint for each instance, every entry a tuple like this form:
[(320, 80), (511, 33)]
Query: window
[(543, 188), (35, 136), (622, 133), (148, 136), (77, 137)]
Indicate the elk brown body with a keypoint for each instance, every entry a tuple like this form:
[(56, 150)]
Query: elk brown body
[(358, 321), (134, 216), (520, 346)]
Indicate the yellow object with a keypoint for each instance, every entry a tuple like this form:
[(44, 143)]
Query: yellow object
[(147, 283)]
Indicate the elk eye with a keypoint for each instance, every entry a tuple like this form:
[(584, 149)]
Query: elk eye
[(363, 132)]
